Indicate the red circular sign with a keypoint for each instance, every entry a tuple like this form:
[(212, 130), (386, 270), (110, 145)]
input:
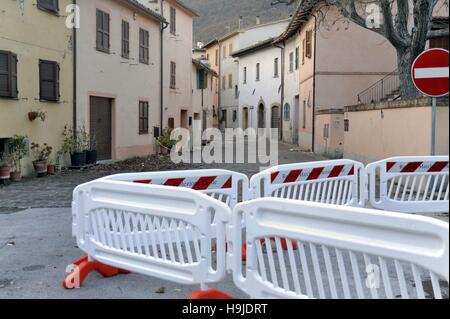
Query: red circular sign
[(430, 72)]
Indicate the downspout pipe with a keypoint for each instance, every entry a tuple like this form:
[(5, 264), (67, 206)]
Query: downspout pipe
[(282, 48), (74, 57), (314, 86), (164, 26)]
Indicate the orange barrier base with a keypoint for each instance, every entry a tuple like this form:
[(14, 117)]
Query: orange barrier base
[(83, 267), (209, 295)]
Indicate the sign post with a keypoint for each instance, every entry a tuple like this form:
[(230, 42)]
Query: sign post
[(430, 76)]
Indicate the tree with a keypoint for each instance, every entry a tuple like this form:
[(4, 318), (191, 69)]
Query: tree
[(406, 24)]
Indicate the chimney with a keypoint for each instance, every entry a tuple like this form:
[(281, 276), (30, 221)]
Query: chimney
[(258, 20), (241, 22)]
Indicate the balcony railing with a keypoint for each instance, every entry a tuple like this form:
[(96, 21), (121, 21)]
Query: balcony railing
[(388, 88)]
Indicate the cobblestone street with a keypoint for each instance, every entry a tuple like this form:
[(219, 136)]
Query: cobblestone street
[(56, 191)]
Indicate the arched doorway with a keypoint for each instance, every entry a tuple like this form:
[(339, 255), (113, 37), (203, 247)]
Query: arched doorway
[(261, 116), (275, 119), (245, 118)]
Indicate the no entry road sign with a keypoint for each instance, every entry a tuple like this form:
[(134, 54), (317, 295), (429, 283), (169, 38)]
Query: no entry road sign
[(430, 72)]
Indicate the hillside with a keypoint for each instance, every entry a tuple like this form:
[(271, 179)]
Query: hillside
[(217, 15)]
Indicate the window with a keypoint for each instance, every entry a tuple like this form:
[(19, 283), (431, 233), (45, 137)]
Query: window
[(297, 58), (230, 81), (275, 68), (236, 92), (304, 115), (8, 75), (326, 131), (143, 46), (48, 81), (230, 50), (217, 57), (125, 39), (173, 75), (171, 123), (309, 44), (245, 75), (291, 62), (224, 53), (287, 112), (103, 31), (173, 21), (234, 116), (143, 117), (224, 82), (201, 79), (258, 72), (303, 50), (346, 125), (48, 5)]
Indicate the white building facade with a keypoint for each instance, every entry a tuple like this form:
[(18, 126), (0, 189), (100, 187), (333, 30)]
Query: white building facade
[(260, 86), (230, 76)]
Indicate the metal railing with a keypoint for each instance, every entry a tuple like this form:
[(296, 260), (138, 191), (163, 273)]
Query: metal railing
[(386, 88)]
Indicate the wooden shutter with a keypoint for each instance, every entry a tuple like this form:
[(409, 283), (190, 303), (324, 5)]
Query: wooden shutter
[(309, 44), (5, 83), (125, 39), (49, 81)]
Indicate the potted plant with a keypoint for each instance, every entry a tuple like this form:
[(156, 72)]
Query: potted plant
[(41, 155), (91, 152), (165, 142), (51, 169), (73, 144), (18, 150), (34, 115), (5, 168)]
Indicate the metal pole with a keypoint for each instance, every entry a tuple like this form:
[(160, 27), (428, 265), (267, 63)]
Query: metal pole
[(433, 127)]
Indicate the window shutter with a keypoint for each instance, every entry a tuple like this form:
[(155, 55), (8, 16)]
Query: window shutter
[(13, 76), (57, 87), (4, 74)]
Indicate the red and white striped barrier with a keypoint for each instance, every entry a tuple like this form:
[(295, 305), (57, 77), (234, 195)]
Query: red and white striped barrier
[(339, 182), (410, 184), (220, 184)]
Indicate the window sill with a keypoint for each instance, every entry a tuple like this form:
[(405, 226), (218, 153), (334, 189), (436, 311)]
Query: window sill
[(50, 101), (106, 51), (9, 98), (48, 10), (143, 133), (144, 62)]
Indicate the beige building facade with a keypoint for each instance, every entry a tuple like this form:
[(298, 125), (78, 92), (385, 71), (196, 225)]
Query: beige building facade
[(176, 60), (36, 74), (401, 128), (118, 72)]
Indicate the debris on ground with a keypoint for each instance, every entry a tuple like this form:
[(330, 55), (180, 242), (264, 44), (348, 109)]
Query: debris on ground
[(161, 290)]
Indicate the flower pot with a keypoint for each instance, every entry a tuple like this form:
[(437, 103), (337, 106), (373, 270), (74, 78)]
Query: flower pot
[(51, 169), (16, 176), (32, 116), (41, 168), (78, 158), (91, 157), (5, 172)]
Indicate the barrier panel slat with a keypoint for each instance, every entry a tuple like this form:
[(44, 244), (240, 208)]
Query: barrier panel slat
[(417, 184), (344, 252), (338, 182)]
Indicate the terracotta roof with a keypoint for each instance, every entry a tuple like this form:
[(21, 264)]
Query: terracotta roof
[(210, 43), (137, 5), (185, 7), (201, 65), (300, 16)]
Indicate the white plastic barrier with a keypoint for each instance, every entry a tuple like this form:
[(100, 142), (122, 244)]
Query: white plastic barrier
[(152, 230), (338, 182), (410, 184), (342, 252), (226, 186)]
